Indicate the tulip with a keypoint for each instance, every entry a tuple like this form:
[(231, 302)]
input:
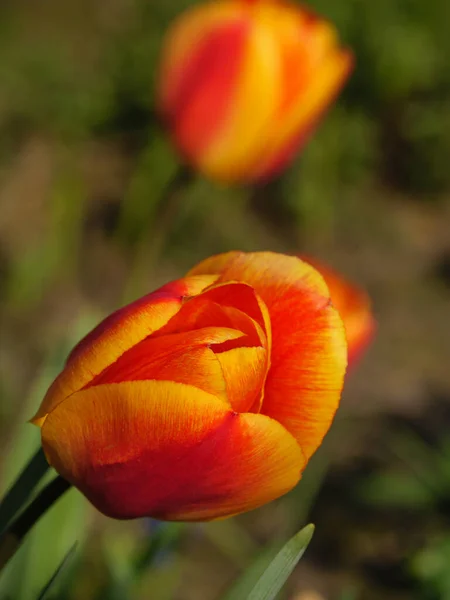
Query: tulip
[(354, 306), (243, 83), (203, 399)]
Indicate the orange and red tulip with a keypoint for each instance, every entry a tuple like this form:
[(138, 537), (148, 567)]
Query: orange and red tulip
[(354, 306), (244, 82), (205, 398)]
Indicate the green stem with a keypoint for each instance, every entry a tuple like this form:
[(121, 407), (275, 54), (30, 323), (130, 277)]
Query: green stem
[(168, 207), (21, 490), (14, 535), (150, 246)]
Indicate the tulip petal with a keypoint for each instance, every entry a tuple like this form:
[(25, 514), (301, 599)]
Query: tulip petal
[(269, 273), (308, 357), (228, 156), (244, 371), (314, 69), (185, 357), (234, 305), (296, 127), (215, 264), (202, 59), (304, 384), (169, 451), (244, 358), (215, 63), (182, 43), (243, 297), (116, 334)]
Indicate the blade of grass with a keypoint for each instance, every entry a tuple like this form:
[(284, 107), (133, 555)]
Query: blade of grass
[(242, 587), (263, 581), (275, 576)]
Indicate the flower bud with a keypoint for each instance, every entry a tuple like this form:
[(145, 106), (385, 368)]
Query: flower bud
[(243, 83), (203, 399)]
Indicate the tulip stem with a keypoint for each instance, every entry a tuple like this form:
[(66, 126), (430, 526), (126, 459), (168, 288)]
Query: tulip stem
[(150, 246), (168, 206), (15, 533)]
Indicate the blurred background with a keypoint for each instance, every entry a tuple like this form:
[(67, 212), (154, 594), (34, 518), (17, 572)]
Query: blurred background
[(83, 164)]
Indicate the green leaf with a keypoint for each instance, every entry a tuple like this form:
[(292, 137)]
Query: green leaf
[(265, 578), (246, 582), (53, 535), (57, 574), (22, 488), (40, 554)]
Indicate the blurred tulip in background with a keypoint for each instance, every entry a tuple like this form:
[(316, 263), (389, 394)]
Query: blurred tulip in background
[(354, 307), (243, 84)]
